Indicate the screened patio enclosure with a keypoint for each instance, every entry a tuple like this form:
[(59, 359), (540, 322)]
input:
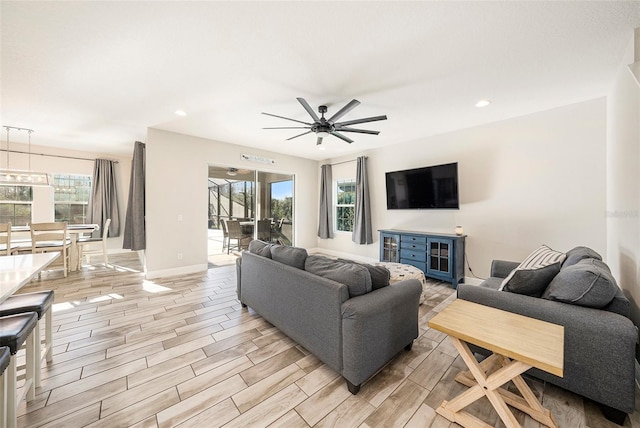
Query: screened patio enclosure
[(261, 201)]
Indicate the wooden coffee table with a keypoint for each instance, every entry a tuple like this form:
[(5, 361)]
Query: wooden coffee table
[(517, 342)]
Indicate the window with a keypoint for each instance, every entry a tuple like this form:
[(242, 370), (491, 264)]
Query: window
[(281, 200), (15, 204), (345, 204), (71, 197)]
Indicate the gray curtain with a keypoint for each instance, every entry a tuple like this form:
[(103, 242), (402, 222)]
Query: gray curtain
[(134, 228), (362, 217), (103, 200), (325, 224)]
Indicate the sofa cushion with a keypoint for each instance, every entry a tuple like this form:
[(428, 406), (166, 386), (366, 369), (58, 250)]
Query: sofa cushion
[(380, 275), (292, 256), (587, 283), (534, 274), (576, 254), (260, 248), (355, 276)]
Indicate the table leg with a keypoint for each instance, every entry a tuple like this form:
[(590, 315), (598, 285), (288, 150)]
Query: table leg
[(486, 379)]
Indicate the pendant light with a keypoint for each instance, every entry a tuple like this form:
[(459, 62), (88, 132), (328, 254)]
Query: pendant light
[(14, 177)]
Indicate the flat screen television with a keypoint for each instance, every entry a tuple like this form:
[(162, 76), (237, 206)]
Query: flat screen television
[(431, 187)]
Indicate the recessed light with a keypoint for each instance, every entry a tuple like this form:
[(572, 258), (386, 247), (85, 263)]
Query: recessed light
[(181, 112), (483, 103)]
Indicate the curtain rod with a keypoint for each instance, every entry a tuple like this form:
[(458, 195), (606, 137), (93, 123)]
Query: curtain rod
[(347, 161), (52, 156)]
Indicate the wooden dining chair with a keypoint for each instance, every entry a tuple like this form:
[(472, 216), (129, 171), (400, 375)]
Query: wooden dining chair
[(87, 241), (6, 249), (235, 233), (50, 237)]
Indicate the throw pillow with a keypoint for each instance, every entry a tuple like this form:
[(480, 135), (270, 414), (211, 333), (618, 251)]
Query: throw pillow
[(586, 283), (292, 256), (576, 254), (356, 277), (260, 248), (534, 274), (380, 275)]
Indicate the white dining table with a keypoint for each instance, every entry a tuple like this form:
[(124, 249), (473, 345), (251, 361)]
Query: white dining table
[(16, 271), (74, 231)]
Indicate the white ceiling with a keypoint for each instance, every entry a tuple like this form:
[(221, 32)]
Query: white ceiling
[(94, 75)]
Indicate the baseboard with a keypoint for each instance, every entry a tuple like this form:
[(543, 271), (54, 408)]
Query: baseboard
[(184, 270)]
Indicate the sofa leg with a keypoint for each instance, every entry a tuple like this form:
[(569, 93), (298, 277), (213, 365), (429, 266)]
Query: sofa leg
[(614, 415), (353, 388), (409, 346), (243, 305)]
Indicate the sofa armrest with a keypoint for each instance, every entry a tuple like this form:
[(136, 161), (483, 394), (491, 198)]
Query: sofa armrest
[(599, 346), (378, 325), (502, 268)]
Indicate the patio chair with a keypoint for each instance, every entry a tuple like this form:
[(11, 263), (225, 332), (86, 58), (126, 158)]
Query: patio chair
[(225, 234), (264, 230), (235, 233)]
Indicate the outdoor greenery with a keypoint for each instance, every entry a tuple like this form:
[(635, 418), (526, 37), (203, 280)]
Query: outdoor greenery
[(242, 202), (345, 210), (15, 204), (282, 208)]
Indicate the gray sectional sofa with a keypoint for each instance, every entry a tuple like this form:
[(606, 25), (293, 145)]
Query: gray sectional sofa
[(600, 339), (332, 308)]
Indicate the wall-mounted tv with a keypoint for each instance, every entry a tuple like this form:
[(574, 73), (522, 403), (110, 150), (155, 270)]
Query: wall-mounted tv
[(432, 187)]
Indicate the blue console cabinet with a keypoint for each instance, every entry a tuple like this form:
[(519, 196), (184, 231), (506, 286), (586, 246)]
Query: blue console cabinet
[(438, 255)]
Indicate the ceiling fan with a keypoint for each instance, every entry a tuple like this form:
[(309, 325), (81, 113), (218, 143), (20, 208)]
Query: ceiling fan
[(232, 172), (325, 127)]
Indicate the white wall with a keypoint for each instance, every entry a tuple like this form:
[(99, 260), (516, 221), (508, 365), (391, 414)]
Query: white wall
[(523, 182), (42, 208), (623, 178), (176, 185)]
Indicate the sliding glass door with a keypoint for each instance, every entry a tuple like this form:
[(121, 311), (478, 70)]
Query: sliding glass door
[(261, 201), (275, 203)]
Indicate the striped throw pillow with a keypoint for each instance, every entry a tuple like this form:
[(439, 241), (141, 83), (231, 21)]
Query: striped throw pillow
[(535, 272)]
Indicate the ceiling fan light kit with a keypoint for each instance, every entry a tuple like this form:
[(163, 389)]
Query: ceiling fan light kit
[(323, 127)]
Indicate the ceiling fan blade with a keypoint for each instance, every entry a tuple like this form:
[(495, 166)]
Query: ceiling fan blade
[(300, 135), (365, 120), (286, 118), (361, 131), (342, 137), (344, 110), (288, 127), (319, 142), (309, 110)]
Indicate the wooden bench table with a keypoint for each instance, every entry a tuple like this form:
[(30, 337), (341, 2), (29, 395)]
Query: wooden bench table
[(517, 342)]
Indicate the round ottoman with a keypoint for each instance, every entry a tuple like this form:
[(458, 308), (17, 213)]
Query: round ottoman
[(400, 272)]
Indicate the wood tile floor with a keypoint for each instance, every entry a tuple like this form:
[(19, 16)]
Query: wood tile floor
[(182, 352)]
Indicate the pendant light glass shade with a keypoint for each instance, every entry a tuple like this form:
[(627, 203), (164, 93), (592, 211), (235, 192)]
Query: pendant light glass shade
[(16, 177)]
